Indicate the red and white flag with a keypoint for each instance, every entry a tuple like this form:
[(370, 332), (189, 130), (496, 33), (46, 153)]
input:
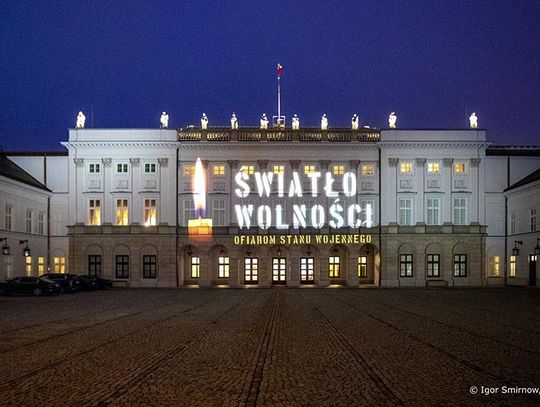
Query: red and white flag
[(279, 69)]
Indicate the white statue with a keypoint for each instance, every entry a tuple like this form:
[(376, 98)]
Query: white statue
[(264, 121), (354, 122), (234, 122), (473, 121), (392, 120), (81, 118), (164, 120), (204, 121), (324, 122), (295, 122)]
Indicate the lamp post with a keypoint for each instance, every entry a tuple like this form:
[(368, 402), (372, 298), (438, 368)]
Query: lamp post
[(537, 247), (5, 247), (515, 250), (26, 250)]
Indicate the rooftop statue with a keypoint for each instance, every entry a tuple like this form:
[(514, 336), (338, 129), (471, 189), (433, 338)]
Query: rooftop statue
[(234, 122), (324, 122), (295, 122), (204, 122), (164, 120), (264, 121), (354, 122), (473, 121), (81, 118), (392, 120)]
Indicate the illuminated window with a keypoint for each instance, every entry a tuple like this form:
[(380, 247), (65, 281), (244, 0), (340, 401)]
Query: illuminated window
[(279, 169), (122, 168), (405, 168), (494, 266), (406, 265), (532, 215), (41, 223), (94, 265), (362, 266), (368, 169), (459, 168), (433, 265), (189, 170), (8, 220), (149, 266), (94, 168), (223, 267), (59, 264), (405, 211), (195, 266), (460, 211), (40, 265), (251, 270), (218, 212), (94, 212), (150, 168), (29, 216), (279, 267), (512, 266), (309, 169), (248, 169), (433, 167), (122, 218), (333, 267), (460, 265), (122, 266), (338, 170), (28, 265), (150, 212), (433, 211), (219, 170), (307, 270)]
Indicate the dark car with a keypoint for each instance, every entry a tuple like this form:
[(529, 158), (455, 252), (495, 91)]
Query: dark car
[(88, 283), (101, 283), (30, 285), (69, 283)]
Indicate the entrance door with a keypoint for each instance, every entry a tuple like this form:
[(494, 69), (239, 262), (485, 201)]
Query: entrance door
[(251, 270), (306, 270), (279, 270), (532, 269)]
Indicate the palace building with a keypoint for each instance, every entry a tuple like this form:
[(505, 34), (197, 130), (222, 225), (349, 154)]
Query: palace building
[(274, 206)]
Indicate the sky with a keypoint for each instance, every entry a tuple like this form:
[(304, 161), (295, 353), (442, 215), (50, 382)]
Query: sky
[(124, 62)]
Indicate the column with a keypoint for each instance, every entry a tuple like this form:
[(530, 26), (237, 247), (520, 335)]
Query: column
[(420, 189), (446, 199), (108, 205), (476, 188), (80, 215), (136, 214)]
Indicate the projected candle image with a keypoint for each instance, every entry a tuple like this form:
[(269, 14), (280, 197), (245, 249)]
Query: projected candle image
[(199, 226)]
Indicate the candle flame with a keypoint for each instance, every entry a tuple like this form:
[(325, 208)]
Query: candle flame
[(199, 189)]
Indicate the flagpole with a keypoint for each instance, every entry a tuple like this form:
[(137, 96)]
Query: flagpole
[(278, 96)]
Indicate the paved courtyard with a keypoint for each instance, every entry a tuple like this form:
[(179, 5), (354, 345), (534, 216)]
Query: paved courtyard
[(334, 347)]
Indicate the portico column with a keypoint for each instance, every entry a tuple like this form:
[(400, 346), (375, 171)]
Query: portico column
[(108, 205), (322, 266), (136, 215), (447, 188), (420, 188), (233, 165)]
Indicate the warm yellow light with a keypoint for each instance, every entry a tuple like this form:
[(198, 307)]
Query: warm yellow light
[(199, 188)]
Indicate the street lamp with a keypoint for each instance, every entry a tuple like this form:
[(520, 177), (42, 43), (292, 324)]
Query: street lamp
[(537, 247), (190, 252), (309, 250), (5, 247), (515, 250), (278, 251)]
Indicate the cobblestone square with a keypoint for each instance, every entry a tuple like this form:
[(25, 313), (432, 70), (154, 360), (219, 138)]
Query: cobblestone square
[(288, 347)]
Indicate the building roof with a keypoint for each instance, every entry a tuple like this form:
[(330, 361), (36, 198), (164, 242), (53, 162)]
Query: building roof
[(12, 171), (498, 150), (532, 177)]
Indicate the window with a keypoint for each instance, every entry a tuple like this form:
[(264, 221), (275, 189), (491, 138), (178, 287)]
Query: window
[(532, 215), (513, 224), (94, 212), (41, 223), (219, 170), (512, 266), (406, 265), (368, 170), (405, 211), (309, 169), (195, 266), (40, 265), (460, 211), (338, 170), (459, 168), (150, 212), (433, 168), (122, 218), (189, 210), (29, 215), (150, 168), (251, 270), (248, 169), (28, 265), (8, 221), (189, 170), (94, 168), (433, 265), (460, 265), (122, 266), (59, 264), (306, 270), (121, 168), (94, 265), (333, 267), (218, 209), (362, 266), (223, 267), (279, 169), (433, 210), (149, 266), (279, 270), (494, 269), (405, 168)]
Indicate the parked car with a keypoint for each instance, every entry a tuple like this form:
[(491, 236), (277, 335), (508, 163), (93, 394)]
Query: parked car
[(88, 283), (101, 283), (30, 285), (69, 283)]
